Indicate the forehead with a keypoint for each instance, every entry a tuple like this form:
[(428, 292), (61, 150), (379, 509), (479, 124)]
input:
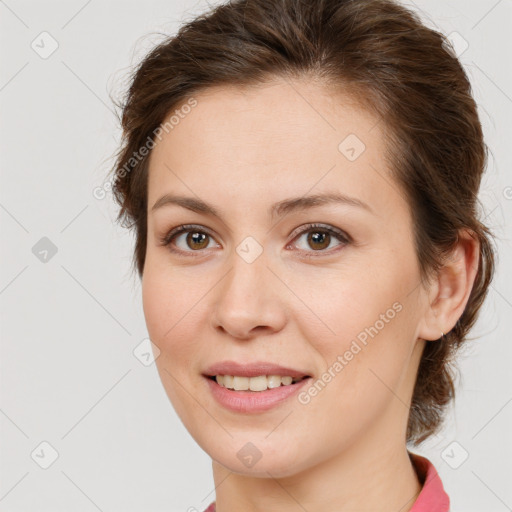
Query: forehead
[(279, 139), (274, 118)]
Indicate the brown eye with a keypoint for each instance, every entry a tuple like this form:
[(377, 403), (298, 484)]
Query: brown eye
[(193, 240), (196, 240), (319, 238)]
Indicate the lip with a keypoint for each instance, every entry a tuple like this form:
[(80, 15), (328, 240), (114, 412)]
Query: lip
[(253, 401), (254, 369)]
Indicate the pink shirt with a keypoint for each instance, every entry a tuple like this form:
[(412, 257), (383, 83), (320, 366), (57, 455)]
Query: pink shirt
[(432, 497)]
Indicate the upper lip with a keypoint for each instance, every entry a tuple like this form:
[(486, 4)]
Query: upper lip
[(254, 369)]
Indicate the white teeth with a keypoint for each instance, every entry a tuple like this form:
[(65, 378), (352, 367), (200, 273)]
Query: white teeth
[(241, 383), (260, 383), (273, 381), (226, 380), (257, 383)]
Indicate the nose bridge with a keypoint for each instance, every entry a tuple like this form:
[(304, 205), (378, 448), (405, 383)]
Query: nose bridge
[(246, 299), (245, 283), (248, 262)]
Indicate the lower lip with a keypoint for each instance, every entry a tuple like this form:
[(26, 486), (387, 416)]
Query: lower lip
[(253, 401)]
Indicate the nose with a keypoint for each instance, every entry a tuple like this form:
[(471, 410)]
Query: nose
[(249, 300)]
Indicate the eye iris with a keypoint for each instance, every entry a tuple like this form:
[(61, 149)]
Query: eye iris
[(319, 237), (193, 237)]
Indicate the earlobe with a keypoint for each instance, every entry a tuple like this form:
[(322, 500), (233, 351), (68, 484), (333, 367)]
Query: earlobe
[(449, 294)]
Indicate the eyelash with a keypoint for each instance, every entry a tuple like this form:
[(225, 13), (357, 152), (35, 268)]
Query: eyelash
[(185, 228)]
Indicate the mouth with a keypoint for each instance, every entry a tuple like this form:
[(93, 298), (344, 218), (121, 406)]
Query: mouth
[(214, 377), (254, 384), (254, 395)]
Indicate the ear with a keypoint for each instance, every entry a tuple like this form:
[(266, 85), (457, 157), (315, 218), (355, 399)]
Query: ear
[(451, 288)]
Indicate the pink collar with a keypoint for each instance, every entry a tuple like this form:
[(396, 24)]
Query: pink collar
[(432, 497)]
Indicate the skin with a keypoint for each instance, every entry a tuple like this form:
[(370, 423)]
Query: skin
[(242, 150)]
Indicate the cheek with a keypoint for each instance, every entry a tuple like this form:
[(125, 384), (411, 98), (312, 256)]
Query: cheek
[(364, 366), (167, 312), (155, 302), (172, 327), (346, 301), (360, 322)]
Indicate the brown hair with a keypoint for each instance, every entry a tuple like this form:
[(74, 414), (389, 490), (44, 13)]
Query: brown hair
[(389, 62)]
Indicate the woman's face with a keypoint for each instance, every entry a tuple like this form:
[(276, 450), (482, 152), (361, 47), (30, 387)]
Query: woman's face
[(257, 284)]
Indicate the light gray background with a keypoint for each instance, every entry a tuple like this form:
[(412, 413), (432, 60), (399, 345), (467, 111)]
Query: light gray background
[(70, 325)]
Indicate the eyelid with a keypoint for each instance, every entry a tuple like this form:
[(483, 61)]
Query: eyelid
[(310, 226)]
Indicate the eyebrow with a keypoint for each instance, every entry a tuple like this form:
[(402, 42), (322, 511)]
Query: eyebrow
[(276, 210)]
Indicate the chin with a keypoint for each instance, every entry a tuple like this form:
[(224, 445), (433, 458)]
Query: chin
[(252, 459)]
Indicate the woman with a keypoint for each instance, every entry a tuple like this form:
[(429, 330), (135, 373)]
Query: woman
[(302, 178)]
